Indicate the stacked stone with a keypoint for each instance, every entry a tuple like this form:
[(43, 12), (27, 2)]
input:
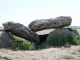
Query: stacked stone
[(57, 23), (11, 28), (17, 29)]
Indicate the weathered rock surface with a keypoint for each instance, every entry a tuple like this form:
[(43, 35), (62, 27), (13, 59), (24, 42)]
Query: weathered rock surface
[(58, 32), (75, 31), (21, 31), (57, 22), (6, 39)]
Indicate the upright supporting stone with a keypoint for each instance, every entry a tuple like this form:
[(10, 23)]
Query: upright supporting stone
[(6, 39), (58, 32)]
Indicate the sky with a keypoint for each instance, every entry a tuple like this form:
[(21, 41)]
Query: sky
[(25, 11)]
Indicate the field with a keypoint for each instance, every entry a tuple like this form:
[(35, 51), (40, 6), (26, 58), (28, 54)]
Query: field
[(53, 53), (56, 53)]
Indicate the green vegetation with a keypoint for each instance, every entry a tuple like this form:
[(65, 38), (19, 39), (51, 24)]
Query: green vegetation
[(71, 59), (16, 41), (61, 40), (5, 58), (26, 45), (22, 44), (73, 39), (73, 52)]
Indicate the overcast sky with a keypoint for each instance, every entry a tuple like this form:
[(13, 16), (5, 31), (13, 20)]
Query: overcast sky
[(25, 11)]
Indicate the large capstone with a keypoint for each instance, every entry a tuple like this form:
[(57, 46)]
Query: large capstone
[(57, 22), (21, 31)]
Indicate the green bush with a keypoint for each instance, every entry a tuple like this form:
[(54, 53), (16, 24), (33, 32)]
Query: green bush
[(16, 42), (22, 44), (26, 45), (73, 39), (60, 40)]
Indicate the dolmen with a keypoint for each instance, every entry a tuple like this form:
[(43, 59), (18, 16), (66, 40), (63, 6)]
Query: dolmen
[(29, 33)]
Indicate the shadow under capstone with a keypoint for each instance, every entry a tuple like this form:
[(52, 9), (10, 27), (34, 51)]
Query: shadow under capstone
[(43, 38)]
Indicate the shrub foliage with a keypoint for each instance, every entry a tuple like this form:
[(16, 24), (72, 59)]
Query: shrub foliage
[(73, 39), (62, 39), (22, 44)]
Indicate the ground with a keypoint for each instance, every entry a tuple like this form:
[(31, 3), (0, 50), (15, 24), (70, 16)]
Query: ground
[(53, 53)]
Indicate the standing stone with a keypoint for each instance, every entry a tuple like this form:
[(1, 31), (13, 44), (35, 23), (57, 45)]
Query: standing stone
[(57, 22), (6, 39), (58, 32), (21, 31)]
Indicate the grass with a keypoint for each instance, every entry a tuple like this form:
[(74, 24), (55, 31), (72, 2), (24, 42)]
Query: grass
[(79, 49), (73, 52), (26, 45), (56, 41), (73, 39), (22, 44), (69, 57), (5, 58)]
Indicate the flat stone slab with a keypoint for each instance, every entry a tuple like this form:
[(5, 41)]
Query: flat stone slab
[(57, 22), (21, 31)]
